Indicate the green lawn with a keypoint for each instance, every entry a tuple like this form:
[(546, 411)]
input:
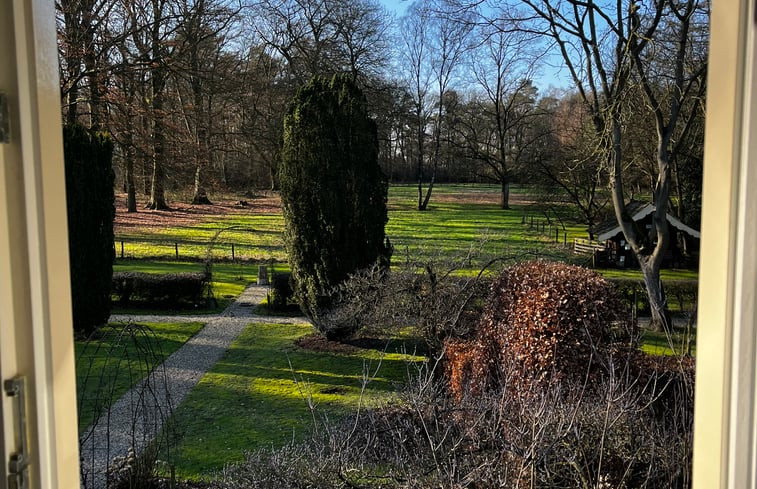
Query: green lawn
[(447, 227), (250, 398), (118, 357), (660, 343)]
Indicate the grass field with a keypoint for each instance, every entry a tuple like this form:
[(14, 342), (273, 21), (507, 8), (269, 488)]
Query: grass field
[(110, 364), (257, 395), (458, 216)]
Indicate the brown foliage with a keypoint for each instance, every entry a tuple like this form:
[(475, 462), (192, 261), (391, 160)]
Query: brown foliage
[(543, 322)]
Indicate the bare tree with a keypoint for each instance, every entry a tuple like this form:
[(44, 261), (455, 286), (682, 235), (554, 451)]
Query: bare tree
[(503, 65), (434, 40), (607, 48)]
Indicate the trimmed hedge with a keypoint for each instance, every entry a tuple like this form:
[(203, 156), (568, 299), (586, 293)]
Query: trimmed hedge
[(90, 206), (169, 288), (282, 292), (543, 322)]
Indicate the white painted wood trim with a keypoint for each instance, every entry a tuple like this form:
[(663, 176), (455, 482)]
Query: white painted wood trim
[(35, 310), (721, 451)]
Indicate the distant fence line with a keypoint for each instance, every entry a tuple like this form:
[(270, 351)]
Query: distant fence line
[(129, 247), (546, 227)]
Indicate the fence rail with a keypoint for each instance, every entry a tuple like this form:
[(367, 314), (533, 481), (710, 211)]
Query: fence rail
[(586, 247), (147, 247)]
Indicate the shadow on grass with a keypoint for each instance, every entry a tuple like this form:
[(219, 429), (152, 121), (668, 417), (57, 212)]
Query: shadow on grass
[(257, 395)]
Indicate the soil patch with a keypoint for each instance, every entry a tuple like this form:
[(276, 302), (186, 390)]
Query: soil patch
[(318, 343)]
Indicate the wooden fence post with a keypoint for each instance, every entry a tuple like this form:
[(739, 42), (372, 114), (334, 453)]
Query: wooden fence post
[(232, 252), (176, 247), (122, 248)]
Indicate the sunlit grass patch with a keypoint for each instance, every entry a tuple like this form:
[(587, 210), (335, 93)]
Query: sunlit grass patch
[(661, 343), (118, 356), (256, 395)]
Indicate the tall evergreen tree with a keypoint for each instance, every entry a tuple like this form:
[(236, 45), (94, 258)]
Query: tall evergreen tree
[(90, 202), (333, 194)]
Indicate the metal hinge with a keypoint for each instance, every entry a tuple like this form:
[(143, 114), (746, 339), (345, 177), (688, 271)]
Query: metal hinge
[(18, 465), (5, 120)]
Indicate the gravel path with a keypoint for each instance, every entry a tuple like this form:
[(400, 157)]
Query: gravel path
[(137, 417)]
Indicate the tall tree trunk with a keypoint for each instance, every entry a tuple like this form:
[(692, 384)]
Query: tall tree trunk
[(157, 190), (131, 191), (504, 197), (656, 294)]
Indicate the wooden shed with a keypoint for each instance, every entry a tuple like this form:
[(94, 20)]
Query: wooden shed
[(684, 240)]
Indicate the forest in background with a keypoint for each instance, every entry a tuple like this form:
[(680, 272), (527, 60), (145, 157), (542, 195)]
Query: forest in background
[(194, 93)]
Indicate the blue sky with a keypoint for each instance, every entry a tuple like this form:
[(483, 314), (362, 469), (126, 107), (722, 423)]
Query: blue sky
[(549, 77), (396, 6)]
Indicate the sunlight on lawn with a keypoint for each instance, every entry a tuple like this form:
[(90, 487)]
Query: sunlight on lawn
[(257, 395)]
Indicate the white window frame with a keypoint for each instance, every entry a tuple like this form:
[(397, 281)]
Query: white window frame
[(36, 339), (35, 316)]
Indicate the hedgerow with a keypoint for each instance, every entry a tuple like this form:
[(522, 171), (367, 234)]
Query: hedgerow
[(169, 288), (543, 322)]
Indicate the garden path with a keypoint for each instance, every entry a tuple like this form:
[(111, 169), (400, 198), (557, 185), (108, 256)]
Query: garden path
[(138, 416)]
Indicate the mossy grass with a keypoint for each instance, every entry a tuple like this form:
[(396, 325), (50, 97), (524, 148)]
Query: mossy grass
[(257, 395), (118, 356)]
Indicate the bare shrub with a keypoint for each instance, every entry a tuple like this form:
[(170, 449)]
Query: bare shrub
[(558, 436), (437, 297)]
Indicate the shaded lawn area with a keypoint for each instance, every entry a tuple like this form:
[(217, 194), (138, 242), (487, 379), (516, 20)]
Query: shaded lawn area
[(250, 398), (229, 280), (118, 356)]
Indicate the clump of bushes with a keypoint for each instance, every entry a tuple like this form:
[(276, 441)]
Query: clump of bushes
[(169, 288), (680, 293), (547, 392), (543, 322), (549, 438), (281, 291)]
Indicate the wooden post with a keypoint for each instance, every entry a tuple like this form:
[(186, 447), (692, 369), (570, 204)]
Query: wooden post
[(176, 247), (262, 275), (122, 248), (232, 252), (565, 239)]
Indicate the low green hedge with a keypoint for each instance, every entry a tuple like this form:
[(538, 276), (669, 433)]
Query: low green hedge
[(170, 288)]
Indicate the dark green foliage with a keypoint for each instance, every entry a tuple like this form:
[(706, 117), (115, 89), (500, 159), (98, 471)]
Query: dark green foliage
[(282, 291), (153, 288), (89, 192), (333, 194)]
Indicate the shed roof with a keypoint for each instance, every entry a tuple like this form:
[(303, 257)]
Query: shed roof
[(638, 211)]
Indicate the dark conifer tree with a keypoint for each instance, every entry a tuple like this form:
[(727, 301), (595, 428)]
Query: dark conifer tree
[(333, 194), (90, 203)]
